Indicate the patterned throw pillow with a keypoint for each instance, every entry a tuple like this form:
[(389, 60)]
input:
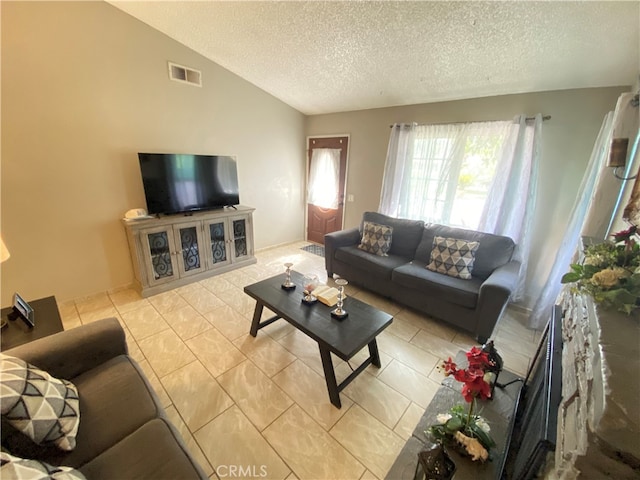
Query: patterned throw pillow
[(16, 467), (42, 407), (453, 257), (376, 238)]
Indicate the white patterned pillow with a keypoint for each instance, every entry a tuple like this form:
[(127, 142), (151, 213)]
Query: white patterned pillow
[(376, 238), (453, 257), (16, 467), (42, 407)]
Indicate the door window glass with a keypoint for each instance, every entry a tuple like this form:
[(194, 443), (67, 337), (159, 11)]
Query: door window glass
[(324, 178)]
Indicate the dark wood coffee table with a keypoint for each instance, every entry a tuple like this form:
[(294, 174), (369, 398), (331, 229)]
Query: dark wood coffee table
[(344, 337), (47, 322)]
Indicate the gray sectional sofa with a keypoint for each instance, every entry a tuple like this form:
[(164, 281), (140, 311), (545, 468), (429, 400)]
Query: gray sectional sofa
[(473, 305), (124, 432)]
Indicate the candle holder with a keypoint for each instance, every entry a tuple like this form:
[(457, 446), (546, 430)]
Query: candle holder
[(310, 282), (339, 312), (495, 368), (288, 284)]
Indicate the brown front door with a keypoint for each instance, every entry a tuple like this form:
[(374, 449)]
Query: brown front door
[(325, 186)]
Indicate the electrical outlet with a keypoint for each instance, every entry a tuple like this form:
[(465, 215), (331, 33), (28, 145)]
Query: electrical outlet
[(350, 198)]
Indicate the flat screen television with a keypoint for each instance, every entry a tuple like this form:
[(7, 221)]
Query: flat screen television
[(179, 183)]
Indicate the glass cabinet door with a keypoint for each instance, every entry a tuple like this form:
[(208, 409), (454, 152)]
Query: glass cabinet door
[(190, 258), (177, 250), (241, 241), (218, 242), (159, 248)]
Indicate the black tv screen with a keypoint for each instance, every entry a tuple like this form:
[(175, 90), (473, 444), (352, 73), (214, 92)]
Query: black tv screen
[(177, 183)]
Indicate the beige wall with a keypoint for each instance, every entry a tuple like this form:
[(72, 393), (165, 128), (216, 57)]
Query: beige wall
[(567, 142), (84, 88), (81, 95)]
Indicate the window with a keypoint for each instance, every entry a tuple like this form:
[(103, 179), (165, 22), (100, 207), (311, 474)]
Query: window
[(324, 178), (479, 176), (451, 171)]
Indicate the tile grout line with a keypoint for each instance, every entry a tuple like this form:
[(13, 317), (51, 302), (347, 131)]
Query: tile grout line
[(235, 285)]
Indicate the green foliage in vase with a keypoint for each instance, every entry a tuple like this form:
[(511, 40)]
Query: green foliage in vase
[(610, 272), (459, 420), (463, 428)]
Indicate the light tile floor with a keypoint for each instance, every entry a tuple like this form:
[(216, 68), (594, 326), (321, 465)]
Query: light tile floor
[(258, 407)]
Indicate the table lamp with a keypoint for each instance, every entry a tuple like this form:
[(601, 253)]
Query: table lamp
[(4, 255), (4, 252)]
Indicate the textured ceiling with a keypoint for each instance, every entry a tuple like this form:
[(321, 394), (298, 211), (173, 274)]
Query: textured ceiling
[(322, 57)]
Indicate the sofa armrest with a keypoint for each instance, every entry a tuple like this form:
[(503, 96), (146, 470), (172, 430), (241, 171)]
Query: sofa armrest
[(494, 297), (335, 240), (68, 354)]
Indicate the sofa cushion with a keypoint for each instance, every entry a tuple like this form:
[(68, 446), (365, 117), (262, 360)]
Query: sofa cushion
[(25, 469), (115, 400), (453, 257), (406, 233), (376, 238), (493, 251), (155, 442), (415, 276), (376, 266), (42, 407)]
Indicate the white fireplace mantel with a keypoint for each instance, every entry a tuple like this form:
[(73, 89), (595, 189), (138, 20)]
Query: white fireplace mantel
[(599, 417)]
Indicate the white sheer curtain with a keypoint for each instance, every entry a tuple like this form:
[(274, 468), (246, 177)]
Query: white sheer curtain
[(324, 178), (397, 167), (509, 207), (542, 309), (481, 176), (441, 173)]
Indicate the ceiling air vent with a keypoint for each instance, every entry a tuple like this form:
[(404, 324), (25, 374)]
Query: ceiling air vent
[(183, 74)]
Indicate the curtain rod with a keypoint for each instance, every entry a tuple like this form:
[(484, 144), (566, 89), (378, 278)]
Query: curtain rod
[(528, 119)]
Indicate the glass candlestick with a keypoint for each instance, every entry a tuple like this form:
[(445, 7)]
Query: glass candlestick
[(339, 312), (288, 284), (310, 283)]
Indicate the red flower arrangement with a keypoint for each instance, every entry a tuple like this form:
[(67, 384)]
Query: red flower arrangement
[(473, 376), (470, 432), (626, 236)]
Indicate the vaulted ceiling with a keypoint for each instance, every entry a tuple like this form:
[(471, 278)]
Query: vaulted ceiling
[(322, 57)]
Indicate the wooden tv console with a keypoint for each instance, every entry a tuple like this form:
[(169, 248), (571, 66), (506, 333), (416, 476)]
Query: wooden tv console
[(171, 251)]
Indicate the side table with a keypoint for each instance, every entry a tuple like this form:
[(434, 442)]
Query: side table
[(499, 412), (47, 322)]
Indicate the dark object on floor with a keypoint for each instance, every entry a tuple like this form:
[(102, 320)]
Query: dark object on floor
[(315, 249)]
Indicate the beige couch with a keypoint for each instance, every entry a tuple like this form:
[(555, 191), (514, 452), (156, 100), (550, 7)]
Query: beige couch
[(124, 432)]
